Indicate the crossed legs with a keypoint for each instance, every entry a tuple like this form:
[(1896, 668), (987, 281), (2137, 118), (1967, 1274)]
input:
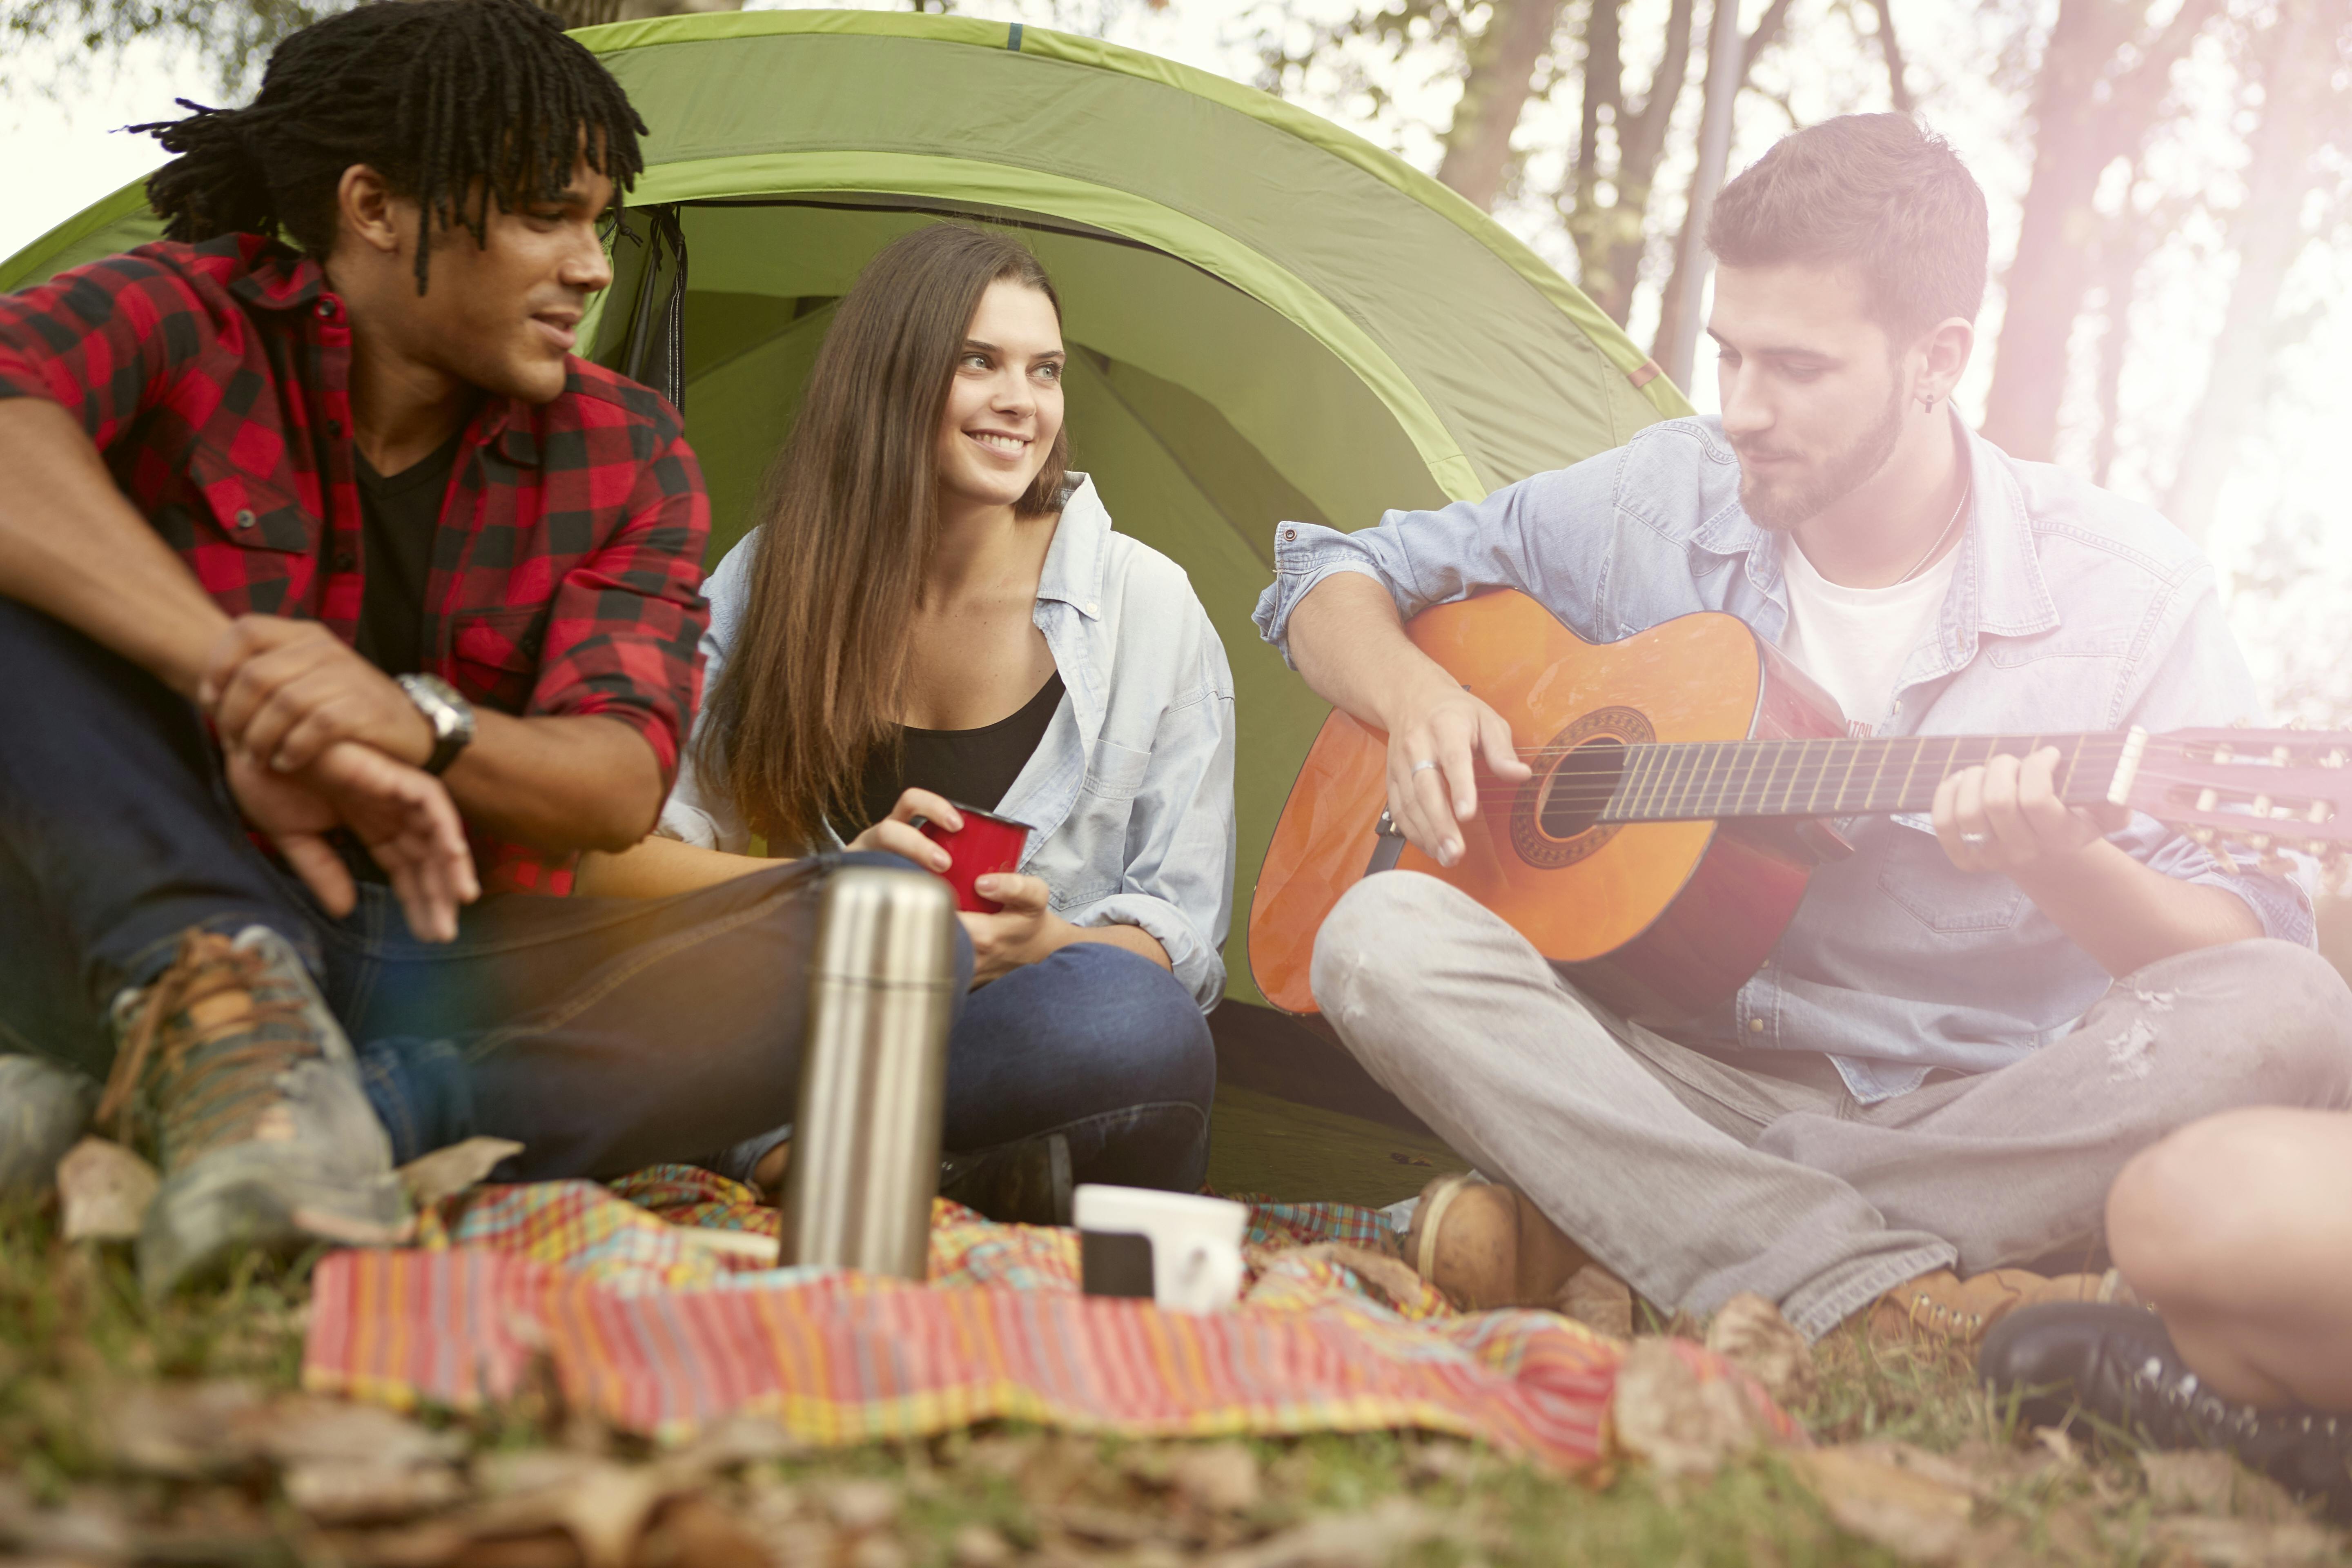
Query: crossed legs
[(1694, 1179)]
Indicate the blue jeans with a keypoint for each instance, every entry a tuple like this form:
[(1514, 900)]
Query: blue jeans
[(600, 1034), (1093, 1042)]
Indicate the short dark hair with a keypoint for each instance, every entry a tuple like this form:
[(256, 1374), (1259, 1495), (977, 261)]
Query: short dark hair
[(1870, 190), (455, 102)]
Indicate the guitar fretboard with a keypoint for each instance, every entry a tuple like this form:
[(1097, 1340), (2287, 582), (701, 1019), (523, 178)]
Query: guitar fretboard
[(1836, 777)]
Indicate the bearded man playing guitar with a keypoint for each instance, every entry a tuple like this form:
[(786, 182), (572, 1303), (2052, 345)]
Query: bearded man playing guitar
[(1975, 1018)]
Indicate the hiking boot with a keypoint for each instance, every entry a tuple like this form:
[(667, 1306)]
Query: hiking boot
[(1941, 1308), (232, 1074), (1487, 1246), (2117, 1365), (43, 1110)]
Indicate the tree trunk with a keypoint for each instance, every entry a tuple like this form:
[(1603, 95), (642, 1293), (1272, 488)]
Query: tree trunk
[(1898, 90), (1677, 342), (1610, 239), (2077, 133), (2267, 233), (1501, 71)]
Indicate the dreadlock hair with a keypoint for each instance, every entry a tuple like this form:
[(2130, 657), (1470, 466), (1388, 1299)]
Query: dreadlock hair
[(455, 102)]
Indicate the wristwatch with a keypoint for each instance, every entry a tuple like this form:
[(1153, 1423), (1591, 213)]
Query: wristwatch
[(450, 715)]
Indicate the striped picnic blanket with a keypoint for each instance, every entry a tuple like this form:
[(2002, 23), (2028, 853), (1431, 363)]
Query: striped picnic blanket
[(642, 1318)]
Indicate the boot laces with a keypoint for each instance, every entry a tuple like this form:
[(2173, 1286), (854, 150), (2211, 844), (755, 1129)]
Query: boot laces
[(196, 1086)]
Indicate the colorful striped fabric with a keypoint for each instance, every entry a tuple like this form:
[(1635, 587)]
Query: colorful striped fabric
[(653, 1328)]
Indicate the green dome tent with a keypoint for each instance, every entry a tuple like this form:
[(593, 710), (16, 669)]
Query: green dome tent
[(1270, 318)]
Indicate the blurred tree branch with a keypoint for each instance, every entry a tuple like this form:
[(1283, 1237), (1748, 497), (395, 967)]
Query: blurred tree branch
[(2295, 63), (1610, 237), (1500, 73), (1670, 347), (227, 38), (2105, 72), (1899, 89)]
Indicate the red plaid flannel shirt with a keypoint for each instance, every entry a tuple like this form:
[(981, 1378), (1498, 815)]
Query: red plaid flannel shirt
[(216, 380)]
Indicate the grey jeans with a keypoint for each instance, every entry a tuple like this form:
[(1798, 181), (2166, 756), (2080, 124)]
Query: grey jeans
[(1694, 1179)]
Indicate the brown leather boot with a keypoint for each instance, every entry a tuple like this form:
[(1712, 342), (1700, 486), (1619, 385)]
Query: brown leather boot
[(1942, 1308), (1487, 1246)]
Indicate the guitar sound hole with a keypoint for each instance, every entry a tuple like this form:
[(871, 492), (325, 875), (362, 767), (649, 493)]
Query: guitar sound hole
[(1578, 788)]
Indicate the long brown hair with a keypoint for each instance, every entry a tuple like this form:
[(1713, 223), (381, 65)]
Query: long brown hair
[(815, 681)]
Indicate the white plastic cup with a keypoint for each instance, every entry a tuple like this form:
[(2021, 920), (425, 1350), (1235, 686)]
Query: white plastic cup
[(1195, 1242)]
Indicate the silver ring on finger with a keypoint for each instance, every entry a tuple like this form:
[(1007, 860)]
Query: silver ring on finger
[(1418, 768), (1975, 840)]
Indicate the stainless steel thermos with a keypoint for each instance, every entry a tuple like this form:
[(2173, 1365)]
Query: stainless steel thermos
[(865, 1143)]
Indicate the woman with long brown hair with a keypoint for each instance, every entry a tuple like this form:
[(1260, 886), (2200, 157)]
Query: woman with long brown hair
[(935, 610)]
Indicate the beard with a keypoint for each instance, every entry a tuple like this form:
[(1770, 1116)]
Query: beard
[(1778, 508)]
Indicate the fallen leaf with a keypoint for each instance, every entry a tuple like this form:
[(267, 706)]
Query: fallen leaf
[(1749, 1332), (1221, 1477), (696, 1533), (183, 1431), (743, 1439), (800, 1544), (1943, 1470), (361, 1491), (977, 1546), (2061, 1447), (600, 1504), (1371, 1539), (306, 1429), (1918, 1516), (1108, 1526), (1682, 1423), (877, 1551), (1599, 1300), (857, 1504), (1440, 1461), (445, 1172), (104, 1191), (90, 1528), (2244, 1543), (2196, 1482)]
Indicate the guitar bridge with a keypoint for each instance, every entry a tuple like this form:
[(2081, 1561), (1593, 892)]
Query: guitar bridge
[(1388, 843)]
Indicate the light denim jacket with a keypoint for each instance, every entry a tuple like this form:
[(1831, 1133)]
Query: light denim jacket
[(2071, 609), (1130, 793)]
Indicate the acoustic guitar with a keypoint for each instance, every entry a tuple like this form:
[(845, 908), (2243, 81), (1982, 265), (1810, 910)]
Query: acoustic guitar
[(1684, 779)]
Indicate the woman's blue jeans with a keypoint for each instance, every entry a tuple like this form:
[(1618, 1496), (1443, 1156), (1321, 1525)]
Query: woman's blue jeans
[(1093, 1042)]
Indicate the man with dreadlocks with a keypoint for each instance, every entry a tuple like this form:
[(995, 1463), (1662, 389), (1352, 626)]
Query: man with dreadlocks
[(317, 537)]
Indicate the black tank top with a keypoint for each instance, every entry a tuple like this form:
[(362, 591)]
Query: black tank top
[(972, 767)]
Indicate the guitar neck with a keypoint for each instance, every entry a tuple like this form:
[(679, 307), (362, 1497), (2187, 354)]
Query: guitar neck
[(1685, 781)]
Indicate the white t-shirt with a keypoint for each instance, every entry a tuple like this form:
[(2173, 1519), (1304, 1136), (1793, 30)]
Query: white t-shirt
[(1855, 641)]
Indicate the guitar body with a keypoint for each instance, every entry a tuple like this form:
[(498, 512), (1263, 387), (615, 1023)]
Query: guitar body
[(1656, 920)]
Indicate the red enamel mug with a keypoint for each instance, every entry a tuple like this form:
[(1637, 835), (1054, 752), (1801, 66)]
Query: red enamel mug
[(988, 843)]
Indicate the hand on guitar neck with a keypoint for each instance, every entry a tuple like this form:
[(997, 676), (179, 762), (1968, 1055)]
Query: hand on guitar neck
[(1350, 645)]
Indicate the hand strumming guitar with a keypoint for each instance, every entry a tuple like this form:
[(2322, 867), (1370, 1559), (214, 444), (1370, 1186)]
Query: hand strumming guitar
[(1437, 722)]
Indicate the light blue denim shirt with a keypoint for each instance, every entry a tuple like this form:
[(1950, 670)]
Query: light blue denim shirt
[(2070, 609), (1131, 793)]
